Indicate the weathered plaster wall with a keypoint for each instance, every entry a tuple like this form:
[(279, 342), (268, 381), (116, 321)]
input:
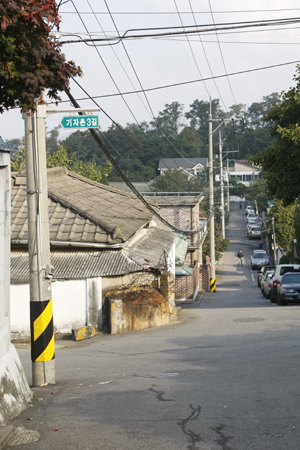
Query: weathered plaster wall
[(14, 389), (75, 303)]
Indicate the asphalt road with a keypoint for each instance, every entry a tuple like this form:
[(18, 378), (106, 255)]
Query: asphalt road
[(225, 377)]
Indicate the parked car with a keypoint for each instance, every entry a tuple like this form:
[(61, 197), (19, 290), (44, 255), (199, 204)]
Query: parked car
[(252, 223), (259, 258), (280, 270), (288, 289), (248, 210), (266, 283), (262, 272), (251, 217), (254, 232)]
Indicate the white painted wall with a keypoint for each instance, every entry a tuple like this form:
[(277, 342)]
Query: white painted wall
[(73, 301)]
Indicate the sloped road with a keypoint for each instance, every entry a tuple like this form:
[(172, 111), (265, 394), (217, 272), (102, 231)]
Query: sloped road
[(226, 377)]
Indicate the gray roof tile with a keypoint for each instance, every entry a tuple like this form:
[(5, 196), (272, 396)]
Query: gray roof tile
[(81, 210)]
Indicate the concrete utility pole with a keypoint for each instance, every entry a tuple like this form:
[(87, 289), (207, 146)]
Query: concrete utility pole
[(274, 240), (41, 315), (211, 206), (228, 195), (222, 184)]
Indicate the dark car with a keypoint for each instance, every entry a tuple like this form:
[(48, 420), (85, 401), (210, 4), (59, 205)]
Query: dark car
[(259, 258), (288, 289), (280, 270), (262, 272)]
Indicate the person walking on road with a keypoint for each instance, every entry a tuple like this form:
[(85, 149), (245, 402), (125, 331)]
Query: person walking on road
[(240, 258)]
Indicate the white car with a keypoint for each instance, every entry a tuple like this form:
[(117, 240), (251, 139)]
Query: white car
[(254, 232), (252, 217)]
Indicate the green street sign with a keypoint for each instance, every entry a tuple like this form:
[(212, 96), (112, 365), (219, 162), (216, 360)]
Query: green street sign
[(80, 122)]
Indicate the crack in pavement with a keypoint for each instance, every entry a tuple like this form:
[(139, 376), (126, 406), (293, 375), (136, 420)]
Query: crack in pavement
[(159, 395), (222, 440), (193, 438)]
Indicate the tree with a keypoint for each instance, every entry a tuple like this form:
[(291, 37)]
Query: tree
[(169, 120), (60, 158), (284, 222), (258, 191), (52, 142), (175, 180), (281, 161), (189, 143), (31, 59)]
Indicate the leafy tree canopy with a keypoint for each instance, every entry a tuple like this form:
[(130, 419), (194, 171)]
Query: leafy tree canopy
[(284, 222), (60, 158), (175, 180), (281, 161), (31, 60)]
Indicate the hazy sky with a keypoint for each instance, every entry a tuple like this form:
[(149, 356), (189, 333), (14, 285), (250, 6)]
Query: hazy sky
[(169, 60)]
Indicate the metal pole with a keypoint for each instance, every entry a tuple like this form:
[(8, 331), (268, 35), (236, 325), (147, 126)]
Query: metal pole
[(228, 196), (211, 206), (222, 185), (41, 315), (274, 240)]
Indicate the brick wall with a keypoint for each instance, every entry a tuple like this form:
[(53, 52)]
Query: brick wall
[(204, 274), (184, 287)]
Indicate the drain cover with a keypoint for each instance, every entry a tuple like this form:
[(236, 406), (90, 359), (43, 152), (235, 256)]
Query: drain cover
[(249, 319)]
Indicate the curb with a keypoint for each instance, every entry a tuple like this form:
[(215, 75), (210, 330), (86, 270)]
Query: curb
[(6, 432)]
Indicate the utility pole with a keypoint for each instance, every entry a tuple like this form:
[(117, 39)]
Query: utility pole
[(212, 283), (222, 184), (41, 315), (228, 196), (274, 240)]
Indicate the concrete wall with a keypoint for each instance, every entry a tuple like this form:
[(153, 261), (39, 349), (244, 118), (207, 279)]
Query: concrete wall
[(75, 303), (14, 389), (136, 309)]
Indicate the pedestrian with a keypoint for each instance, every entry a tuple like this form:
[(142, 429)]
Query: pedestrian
[(240, 257), (240, 205)]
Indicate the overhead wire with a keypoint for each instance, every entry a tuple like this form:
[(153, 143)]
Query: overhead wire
[(221, 52), (183, 83), (206, 57), (142, 90), (125, 134), (142, 13), (115, 53), (107, 69), (191, 49), (132, 187), (189, 29)]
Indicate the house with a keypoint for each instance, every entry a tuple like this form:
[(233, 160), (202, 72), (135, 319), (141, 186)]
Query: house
[(191, 166), (101, 240), (183, 212), (14, 389), (244, 172)]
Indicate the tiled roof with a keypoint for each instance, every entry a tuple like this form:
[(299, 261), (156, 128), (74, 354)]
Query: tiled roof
[(76, 264), (147, 252), (80, 210), (186, 163), (165, 200)]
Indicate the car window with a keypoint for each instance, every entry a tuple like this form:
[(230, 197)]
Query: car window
[(291, 278), (286, 269), (260, 255), (268, 274)]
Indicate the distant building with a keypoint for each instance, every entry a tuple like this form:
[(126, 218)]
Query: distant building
[(244, 172), (192, 166)]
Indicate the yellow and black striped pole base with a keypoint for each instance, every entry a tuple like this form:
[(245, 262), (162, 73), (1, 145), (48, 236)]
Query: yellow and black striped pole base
[(212, 285), (42, 342)]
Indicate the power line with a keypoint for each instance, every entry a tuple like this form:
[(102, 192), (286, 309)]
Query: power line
[(222, 56), (193, 54), (144, 13), (125, 134), (142, 89), (129, 79), (215, 28), (121, 173), (206, 57), (183, 83), (107, 69)]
